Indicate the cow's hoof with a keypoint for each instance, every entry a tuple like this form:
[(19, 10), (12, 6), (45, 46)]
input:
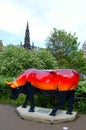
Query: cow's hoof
[(52, 114), (69, 113), (24, 106), (31, 110)]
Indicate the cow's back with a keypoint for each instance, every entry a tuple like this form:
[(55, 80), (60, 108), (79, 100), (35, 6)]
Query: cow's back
[(63, 79), (42, 79), (68, 79)]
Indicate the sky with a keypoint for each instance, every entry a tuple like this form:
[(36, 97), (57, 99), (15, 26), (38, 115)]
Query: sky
[(42, 16)]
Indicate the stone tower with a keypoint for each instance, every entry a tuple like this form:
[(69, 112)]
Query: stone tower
[(27, 38), (84, 49)]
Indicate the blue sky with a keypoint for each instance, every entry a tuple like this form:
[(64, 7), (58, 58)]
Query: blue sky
[(42, 16)]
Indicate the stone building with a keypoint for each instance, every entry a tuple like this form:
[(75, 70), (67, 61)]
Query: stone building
[(84, 49), (1, 45)]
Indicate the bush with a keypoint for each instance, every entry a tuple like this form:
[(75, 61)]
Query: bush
[(81, 89), (4, 89), (80, 104), (2, 82), (81, 107), (14, 60)]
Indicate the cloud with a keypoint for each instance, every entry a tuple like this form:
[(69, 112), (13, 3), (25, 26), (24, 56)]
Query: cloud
[(42, 16)]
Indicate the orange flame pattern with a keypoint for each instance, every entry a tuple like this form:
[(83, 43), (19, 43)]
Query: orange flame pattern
[(62, 79)]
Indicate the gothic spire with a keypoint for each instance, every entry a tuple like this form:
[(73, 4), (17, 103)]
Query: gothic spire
[(27, 38)]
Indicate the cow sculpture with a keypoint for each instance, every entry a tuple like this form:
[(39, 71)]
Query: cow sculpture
[(62, 82)]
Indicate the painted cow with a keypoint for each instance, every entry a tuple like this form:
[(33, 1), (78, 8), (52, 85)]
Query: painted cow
[(33, 81)]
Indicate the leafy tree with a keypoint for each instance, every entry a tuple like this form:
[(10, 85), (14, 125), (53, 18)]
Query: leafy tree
[(64, 47), (78, 62)]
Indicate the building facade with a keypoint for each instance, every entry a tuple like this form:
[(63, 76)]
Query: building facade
[(1, 43), (84, 49)]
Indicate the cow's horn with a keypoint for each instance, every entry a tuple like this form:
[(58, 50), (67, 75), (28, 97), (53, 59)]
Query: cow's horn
[(8, 83)]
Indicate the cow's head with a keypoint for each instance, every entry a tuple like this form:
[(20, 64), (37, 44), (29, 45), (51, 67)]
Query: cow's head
[(14, 89), (14, 93)]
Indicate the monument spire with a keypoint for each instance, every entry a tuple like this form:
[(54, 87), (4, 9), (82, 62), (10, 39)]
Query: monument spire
[(27, 38)]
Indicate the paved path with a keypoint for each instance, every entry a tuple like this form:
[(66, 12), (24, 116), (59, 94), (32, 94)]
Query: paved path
[(9, 120)]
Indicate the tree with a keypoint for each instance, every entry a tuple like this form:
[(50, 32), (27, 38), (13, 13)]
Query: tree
[(64, 47)]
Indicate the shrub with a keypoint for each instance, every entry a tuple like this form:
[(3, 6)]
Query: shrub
[(14, 60), (81, 89)]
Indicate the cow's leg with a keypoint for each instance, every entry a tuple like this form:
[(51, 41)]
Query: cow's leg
[(31, 99), (31, 90), (32, 106), (61, 99), (25, 102), (71, 96)]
